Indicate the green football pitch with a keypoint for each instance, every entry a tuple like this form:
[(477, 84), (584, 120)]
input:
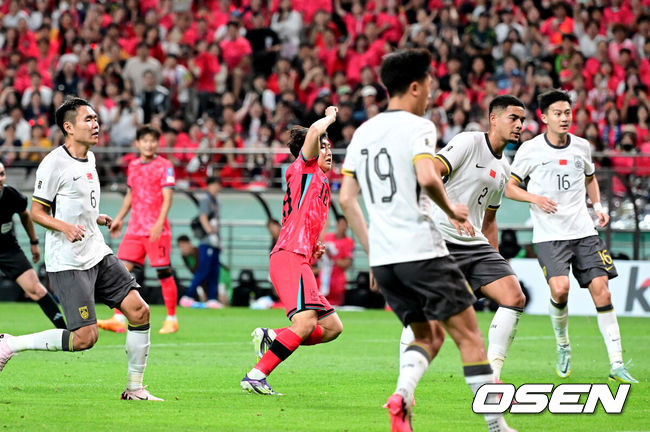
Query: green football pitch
[(339, 386)]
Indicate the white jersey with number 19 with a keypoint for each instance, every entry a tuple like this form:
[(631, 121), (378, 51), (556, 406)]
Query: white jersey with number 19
[(70, 188), (381, 156), (557, 173)]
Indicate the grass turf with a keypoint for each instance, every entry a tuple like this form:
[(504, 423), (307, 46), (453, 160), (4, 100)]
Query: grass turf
[(339, 386)]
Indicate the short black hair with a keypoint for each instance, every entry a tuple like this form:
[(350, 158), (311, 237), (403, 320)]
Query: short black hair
[(548, 98), (399, 69), (212, 179), (297, 139), (182, 238), (67, 112), (147, 130), (502, 102)]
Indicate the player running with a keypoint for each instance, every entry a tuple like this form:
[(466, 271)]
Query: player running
[(391, 161), (150, 182), (304, 213), (476, 173), (13, 262), (560, 171), (81, 267)]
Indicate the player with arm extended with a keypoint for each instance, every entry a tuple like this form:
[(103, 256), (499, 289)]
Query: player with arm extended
[(13, 262), (476, 173), (560, 171), (150, 181), (304, 213), (81, 267), (390, 160)]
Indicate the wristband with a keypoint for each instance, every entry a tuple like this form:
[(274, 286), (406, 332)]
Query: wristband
[(598, 207), (33, 242)]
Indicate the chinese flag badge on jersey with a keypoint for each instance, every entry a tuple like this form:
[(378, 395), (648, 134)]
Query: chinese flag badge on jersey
[(493, 173), (89, 175), (562, 161)]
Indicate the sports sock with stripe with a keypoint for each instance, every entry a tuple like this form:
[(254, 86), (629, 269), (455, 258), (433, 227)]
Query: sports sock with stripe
[(170, 294), (48, 340), (314, 338), (559, 313), (282, 347), (477, 375), (413, 363)]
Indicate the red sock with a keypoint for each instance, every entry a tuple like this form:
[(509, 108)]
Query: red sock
[(281, 348), (170, 294), (314, 338)]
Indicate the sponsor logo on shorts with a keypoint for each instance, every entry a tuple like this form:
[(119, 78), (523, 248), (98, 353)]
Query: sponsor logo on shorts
[(563, 399), (83, 311)]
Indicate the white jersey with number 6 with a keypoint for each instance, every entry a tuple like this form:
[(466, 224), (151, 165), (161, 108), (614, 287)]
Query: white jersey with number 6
[(477, 177), (557, 173), (70, 188), (381, 156)]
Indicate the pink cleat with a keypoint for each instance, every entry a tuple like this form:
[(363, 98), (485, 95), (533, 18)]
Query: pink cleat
[(5, 352), (214, 304), (400, 413), (187, 302), (140, 394)]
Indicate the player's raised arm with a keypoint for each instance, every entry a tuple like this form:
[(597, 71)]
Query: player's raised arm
[(352, 210), (430, 180), (311, 147), (514, 192)]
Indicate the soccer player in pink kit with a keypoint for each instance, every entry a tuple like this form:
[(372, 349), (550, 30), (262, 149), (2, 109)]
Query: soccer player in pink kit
[(151, 182), (304, 213)]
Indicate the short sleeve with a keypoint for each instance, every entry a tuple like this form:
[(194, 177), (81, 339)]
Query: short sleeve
[(348, 249), (456, 151), (129, 176), (168, 178), (521, 165), (205, 206), (494, 202), (425, 142), (351, 155), (47, 182)]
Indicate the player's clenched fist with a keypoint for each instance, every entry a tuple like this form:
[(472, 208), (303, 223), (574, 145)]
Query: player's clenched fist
[(331, 111)]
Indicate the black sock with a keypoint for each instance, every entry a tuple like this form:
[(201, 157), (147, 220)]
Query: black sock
[(52, 311)]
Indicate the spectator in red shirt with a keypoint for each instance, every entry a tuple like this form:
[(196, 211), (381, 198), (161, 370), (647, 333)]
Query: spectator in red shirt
[(391, 22), (557, 25), (339, 250), (236, 51), (204, 67), (620, 41), (618, 12)]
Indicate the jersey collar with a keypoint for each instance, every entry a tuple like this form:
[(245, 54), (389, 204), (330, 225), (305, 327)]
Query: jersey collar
[(77, 159), (568, 141), (487, 141)]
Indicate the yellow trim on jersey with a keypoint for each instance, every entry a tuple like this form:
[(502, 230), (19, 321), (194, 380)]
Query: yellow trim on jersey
[(417, 157), (41, 202), (590, 175), (348, 173), (516, 177), (442, 159), (491, 207)]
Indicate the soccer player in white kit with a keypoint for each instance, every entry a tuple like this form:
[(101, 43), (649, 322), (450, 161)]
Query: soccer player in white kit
[(80, 265), (391, 161), (476, 173), (560, 171)]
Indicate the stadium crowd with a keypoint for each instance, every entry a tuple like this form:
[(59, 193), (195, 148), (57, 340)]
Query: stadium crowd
[(231, 74)]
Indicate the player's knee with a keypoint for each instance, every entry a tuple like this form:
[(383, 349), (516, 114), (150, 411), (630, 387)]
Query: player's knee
[(337, 329), (140, 314), (519, 300), (560, 293), (85, 338)]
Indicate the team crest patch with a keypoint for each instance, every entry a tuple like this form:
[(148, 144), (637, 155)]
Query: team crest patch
[(83, 311), (170, 175), (40, 183), (578, 163)]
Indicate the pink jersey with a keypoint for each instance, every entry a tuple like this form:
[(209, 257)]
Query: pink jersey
[(147, 181), (305, 207)]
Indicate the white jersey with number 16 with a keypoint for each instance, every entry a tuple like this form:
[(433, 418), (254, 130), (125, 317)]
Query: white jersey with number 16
[(381, 156)]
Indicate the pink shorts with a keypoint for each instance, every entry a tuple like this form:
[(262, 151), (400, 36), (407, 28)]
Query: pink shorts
[(135, 248), (295, 283)]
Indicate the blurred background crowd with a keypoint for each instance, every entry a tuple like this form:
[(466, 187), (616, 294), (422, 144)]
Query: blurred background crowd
[(226, 79)]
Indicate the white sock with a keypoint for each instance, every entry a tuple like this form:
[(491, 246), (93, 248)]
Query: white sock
[(48, 340), (413, 363), (608, 325), (137, 350), (502, 332), (560, 319), (405, 339), (475, 377), (256, 374), (171, 318)]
